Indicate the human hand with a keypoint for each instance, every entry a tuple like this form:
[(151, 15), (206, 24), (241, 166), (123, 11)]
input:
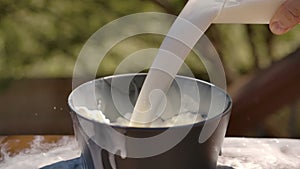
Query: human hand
[(286, 17)]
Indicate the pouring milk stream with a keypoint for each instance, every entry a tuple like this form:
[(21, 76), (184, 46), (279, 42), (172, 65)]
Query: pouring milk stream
[(192, 22)]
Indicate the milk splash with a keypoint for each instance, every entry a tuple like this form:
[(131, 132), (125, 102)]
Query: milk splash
[(187, 29), (183, 35), (40, 154), (193, 21)]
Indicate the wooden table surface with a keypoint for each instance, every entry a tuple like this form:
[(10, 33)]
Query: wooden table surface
[(33, 152)]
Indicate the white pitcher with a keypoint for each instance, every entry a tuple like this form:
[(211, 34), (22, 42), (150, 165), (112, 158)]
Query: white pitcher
[(248, 11), (232, 11)]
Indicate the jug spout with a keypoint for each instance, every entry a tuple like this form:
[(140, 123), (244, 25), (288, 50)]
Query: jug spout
[(247, 11)]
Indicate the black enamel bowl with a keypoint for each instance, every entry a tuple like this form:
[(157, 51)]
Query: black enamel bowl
[(192, 145)]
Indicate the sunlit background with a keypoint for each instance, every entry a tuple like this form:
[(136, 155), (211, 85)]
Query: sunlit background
[(41, 39)]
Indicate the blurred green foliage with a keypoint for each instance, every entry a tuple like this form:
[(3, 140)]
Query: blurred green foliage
[(42, 38)]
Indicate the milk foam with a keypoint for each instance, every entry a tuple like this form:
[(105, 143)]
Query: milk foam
[(185, 118)]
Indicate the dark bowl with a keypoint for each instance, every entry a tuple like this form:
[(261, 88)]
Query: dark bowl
[(185, 146)]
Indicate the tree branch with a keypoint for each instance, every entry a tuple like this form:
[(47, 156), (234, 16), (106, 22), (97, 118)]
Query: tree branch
[(165, 5), (269, 90)]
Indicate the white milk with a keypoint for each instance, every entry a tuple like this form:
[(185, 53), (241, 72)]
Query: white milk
[(172, 53), (183, 118), (170, 57)]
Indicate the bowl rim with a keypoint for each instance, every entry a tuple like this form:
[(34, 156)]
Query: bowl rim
[(225, 112)]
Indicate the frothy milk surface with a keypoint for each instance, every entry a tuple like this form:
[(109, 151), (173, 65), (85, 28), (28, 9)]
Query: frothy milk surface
[(184, 118), (187, 29)]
